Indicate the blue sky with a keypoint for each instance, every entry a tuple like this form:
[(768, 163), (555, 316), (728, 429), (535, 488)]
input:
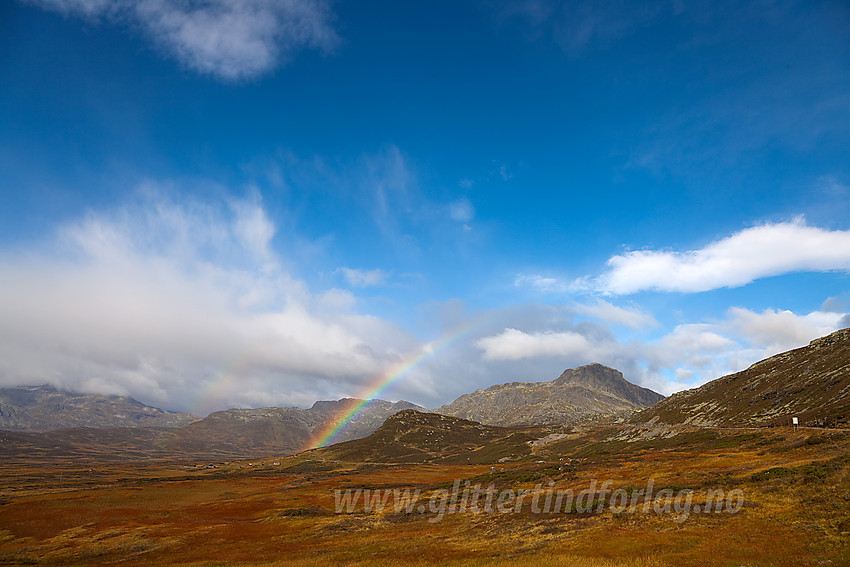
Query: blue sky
[(216, 204)]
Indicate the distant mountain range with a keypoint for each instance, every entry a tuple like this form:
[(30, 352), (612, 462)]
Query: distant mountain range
[(225, 434), (811, 383), (44, 408), (575, 395)]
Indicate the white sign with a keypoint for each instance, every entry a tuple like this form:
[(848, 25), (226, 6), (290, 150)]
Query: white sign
[(794, 421)]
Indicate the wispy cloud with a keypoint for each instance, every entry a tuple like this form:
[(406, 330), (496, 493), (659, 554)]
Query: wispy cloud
[(363, 278), (389, 186), (229, 39), (578, 25), (602, 310), (379, 194), (758, 252), (461, 210), (543, 284)]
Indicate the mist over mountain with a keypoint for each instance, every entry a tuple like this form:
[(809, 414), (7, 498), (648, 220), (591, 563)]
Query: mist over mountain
[(44, 408)]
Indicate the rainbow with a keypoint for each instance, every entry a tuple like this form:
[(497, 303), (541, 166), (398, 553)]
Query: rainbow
[(328, 434)]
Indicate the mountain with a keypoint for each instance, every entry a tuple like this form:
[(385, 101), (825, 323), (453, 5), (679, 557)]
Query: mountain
[(576, 394), (44, 408), (230, 433), (413, 436), (286, 430), (811, 383)]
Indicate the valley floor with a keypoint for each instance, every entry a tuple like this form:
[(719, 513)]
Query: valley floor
[(793, 509)]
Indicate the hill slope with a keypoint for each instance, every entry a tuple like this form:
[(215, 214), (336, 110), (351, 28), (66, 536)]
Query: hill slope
[(811, 383), (44, 408), (412, 436), (576, 394)]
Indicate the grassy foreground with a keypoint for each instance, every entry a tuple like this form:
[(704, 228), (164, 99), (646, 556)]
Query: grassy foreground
[(795, 511)]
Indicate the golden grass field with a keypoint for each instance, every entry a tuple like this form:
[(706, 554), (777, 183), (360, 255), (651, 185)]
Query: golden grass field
[(179, 513)]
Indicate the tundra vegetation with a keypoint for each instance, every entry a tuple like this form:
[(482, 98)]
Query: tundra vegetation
[(281, 510)]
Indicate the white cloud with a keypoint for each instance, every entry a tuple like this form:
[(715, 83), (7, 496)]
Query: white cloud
[(698, 351), (776, 331), (512, 344), (610, 313), (184, 305), (753, 253), (229, 39), (363, 278)]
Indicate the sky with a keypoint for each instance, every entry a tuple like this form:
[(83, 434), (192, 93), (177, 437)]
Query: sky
[(242, 204)]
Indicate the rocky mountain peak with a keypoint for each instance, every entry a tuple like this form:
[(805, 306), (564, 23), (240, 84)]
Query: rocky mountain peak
[(593, 374), (577, 393)]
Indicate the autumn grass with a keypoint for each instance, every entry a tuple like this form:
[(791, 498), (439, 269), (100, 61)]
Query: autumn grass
[(797, 510)]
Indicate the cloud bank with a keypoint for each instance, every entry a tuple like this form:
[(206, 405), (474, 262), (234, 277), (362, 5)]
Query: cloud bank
[(232, 40), (184, 304)]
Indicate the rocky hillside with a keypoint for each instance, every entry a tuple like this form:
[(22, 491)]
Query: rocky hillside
[(44, 408), (811, 383), (576, 394)]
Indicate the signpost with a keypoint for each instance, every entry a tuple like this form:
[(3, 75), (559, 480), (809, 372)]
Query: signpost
[(795, 423)]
